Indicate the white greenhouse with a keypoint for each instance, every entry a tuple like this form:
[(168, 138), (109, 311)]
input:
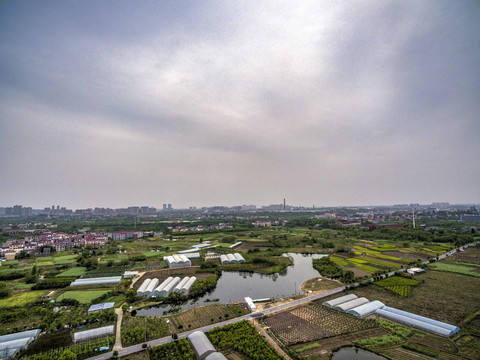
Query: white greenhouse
[(159, 288), (178, 287), (224, 259), (94, 333), (366, 309), (232, 259), (151, 287), (169, 287), (180, 260), (239, 258), (420, 322), (200, 344), (339, 300), (110, 280), (188, 284), (351, 304), (143, 287), (216, 356)]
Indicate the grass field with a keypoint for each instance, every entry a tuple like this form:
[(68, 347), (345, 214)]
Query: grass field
[(75, 271), (65, 259), (453, 268), (85, 296), (21, 299)]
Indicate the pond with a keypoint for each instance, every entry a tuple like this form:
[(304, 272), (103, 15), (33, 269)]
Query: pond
[(235, 286), (354, 353)]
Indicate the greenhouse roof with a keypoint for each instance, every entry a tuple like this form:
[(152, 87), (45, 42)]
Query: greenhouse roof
[(366, 309), (216, 356), (340, 300), (99, 332), (20, 335), (200, 344), (98, 307), (351, 304), (414, 320)]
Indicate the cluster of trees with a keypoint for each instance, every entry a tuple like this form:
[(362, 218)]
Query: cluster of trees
[(174, 350), (328, 268), (53, 283), (139, 329), (244, 339), (202, 286), (4, 291)]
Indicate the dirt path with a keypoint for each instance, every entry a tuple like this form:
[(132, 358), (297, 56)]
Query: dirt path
[(270, 340), (118, 336), (140, 274)]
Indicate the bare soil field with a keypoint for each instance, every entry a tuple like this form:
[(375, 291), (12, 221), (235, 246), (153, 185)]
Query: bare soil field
[(471, 255), (320, 284), (357, 272), (204, 315), (409, 256)]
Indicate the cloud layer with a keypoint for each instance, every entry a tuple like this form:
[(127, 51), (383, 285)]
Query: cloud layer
[(323, 103)]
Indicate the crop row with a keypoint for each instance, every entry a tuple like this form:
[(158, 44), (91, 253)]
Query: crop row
[(313, 322)]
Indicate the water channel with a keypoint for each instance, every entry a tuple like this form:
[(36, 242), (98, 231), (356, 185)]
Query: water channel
[(235, 286), (353, 353)]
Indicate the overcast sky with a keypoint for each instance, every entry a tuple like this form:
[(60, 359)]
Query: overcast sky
[(199, 103)]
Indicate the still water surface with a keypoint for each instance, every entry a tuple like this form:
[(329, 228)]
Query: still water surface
[(235, 286)]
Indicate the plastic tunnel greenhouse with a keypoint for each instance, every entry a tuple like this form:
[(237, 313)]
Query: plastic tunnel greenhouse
[(340, 300), (94, 333), (366, 309)]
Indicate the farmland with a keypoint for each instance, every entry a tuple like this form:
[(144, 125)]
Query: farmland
[(136, 330), (398, 285), (312, 322), (204, 315), (83, 296)]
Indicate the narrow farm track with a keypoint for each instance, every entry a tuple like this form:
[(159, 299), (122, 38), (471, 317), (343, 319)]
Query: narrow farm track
[(272, 342), (118, 336)]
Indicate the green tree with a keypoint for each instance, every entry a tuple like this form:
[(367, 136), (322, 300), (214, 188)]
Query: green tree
[(68, 355), (131, 295)]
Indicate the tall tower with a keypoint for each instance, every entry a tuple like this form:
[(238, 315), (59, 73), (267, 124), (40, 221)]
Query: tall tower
[(284, 207)]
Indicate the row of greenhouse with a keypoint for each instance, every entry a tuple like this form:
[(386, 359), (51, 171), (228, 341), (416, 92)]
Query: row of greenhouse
[(231, 259), (178, 260), (151, 287), (361, 307)]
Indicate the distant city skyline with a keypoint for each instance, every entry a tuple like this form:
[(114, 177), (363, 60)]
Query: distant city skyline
[(325, 103)]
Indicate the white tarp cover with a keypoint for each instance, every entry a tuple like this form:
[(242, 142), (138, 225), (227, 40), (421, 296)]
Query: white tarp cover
[(94, 333)]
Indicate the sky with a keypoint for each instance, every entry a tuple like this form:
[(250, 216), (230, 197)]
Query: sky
[(201, 103)]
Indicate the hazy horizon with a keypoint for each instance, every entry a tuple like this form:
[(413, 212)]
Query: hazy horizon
[(111, 104)]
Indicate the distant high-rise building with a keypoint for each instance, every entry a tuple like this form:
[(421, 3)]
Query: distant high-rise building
[(169, 206), (164, 207)]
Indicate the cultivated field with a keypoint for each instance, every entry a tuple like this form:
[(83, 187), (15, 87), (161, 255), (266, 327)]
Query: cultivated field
[(83, 296), (312, 322), (204, 315)]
